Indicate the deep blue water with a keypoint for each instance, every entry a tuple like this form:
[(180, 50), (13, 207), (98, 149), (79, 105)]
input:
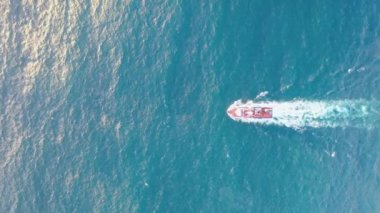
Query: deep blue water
[(120, 106)]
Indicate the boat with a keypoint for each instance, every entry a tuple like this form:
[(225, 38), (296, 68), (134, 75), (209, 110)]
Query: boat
[(249, 112)]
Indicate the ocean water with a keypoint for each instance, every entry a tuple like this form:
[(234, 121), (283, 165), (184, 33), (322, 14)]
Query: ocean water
[(120, 106)]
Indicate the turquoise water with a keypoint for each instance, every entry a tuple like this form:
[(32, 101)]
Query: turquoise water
[(120, 106)]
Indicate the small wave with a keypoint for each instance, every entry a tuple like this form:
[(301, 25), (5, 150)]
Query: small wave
[(262, 94)]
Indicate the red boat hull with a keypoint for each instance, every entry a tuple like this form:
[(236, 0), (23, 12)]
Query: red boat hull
[(250, 112)]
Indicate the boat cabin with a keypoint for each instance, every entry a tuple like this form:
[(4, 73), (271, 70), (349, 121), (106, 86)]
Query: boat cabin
[(257, 112)]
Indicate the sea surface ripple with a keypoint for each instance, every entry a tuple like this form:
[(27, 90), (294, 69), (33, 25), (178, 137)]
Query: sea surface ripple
[(119, 106)]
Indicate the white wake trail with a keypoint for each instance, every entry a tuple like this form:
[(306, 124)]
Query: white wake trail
[(299, 114)]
